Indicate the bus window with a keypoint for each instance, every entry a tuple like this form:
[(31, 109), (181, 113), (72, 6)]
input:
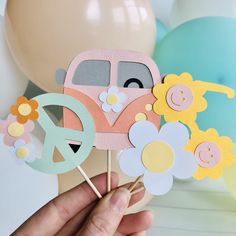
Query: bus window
[(134, 75), (93, 73)]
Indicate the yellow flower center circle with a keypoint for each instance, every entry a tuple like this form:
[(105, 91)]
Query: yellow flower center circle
[(22, 152), (140, 116), (157, 156), (24, 109), (112, 99), (15, 129)]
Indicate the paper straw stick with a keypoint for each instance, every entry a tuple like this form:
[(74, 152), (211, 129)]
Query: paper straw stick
[(134, 184), (108, 171), (89, 182)]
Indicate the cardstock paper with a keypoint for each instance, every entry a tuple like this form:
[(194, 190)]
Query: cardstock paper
[(158, 155), (58, 137), (116, 95), (180, 98)]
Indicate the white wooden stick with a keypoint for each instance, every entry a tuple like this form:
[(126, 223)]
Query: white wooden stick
[(134, 184), (108, 171), (89, 182)]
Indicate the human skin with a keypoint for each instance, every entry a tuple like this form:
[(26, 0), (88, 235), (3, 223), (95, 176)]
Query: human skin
[(79, 212)]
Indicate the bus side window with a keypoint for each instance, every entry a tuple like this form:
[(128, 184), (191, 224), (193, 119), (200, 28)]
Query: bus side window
[(92, 73), (134, 75)]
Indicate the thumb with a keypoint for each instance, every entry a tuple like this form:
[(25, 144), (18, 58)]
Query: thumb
[(106, 217)]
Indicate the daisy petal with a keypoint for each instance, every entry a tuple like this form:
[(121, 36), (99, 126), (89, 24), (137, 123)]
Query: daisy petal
[(103, 96), (158, 184), (175, 134), (142, 133), (117, 108), (185, 165), (130, 162), (113, 90), (122, 97), (19, 143), (106, 107)]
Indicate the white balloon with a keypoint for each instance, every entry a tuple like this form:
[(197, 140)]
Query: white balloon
[(162, 9), (23, 190), (2, 6), (184, 10), (13, 82)]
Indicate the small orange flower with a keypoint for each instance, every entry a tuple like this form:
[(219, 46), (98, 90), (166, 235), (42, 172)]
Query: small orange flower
[(25, 110)]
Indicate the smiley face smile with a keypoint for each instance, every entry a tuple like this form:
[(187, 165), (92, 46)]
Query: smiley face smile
[(179, 97), (207, 154)]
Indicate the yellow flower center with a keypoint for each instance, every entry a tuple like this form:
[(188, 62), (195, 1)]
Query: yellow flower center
[(24, 109), (140, 116), (112, 99), (15, 129), (157, 156), (22, 152)]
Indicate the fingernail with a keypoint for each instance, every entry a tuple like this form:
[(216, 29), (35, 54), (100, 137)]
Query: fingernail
[(120, 199)]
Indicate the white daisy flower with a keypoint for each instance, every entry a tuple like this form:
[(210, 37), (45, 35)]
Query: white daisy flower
[(23, 152), (112, 100), (158, 155)]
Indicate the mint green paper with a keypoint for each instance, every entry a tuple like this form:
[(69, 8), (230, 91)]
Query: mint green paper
[(56, 136)]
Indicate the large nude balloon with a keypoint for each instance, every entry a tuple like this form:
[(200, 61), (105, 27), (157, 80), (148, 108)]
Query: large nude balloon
[(46, 35), (184, 10)]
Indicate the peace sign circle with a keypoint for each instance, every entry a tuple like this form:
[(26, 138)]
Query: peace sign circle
[(57, 137)]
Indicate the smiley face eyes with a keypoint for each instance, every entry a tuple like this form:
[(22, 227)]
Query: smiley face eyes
[(179, 97), (207, 154)]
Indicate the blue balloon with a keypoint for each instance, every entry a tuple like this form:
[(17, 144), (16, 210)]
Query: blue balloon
[(206, 48), (162, 30)]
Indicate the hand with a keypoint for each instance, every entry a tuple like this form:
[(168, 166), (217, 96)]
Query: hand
[(78, 212)]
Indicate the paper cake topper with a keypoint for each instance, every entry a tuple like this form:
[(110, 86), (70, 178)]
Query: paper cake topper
[(116, 88), (18, 125), (157, 156), (113, 100), (57, 137), (212, 152), (180, 98)]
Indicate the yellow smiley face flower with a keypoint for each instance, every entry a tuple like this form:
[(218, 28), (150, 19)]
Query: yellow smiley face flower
[(212, 152), (180, 98)]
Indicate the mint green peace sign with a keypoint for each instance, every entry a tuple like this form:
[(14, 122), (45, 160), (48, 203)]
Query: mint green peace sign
[(57, 137)]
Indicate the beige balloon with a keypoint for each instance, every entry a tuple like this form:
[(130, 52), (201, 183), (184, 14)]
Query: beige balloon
[(46, 35)]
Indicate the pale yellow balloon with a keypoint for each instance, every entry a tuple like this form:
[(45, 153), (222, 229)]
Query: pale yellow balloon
[(230, 176), (46, 35)]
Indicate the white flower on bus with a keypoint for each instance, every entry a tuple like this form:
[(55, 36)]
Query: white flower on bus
[(112, 100)]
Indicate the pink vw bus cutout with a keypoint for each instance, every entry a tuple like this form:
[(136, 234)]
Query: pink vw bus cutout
[(116, 88)]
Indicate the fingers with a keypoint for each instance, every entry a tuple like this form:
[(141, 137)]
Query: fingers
[(106, 217), (51, 218), (73, 225), (138, 195), (139, 234), (137, 222)]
